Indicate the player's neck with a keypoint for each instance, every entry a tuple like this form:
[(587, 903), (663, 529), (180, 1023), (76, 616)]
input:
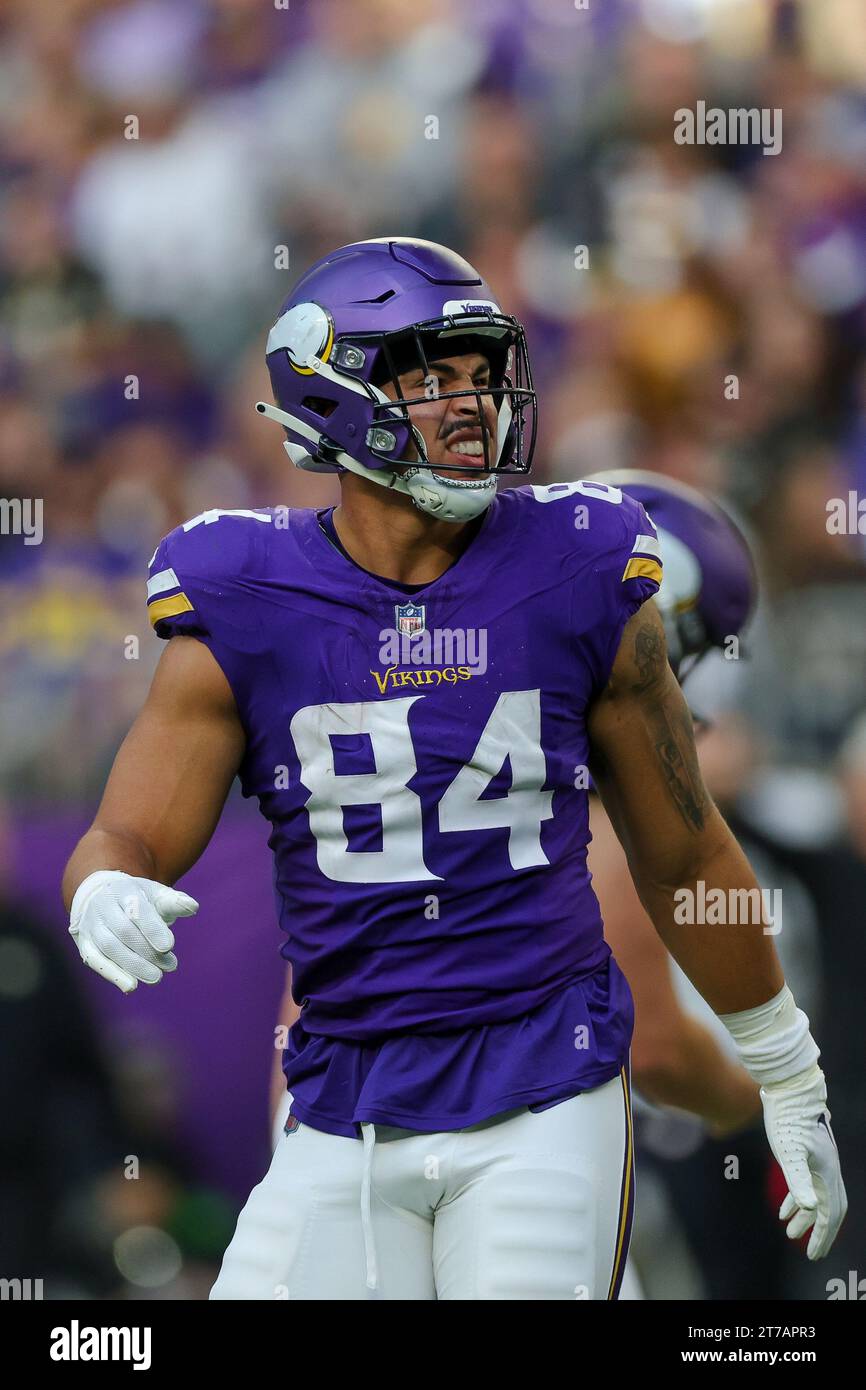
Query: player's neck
[(385, 533)]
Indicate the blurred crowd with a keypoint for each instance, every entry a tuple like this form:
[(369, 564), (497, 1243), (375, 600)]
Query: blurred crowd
[(169, 167)]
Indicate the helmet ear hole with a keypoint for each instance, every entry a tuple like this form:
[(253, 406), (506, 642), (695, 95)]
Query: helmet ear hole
[(319, 405)]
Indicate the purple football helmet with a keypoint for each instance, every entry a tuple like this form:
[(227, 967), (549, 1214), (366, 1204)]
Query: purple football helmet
[(709, 585), (359, 318)]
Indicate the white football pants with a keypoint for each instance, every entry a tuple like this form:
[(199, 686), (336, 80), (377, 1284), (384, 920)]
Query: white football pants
[(522, 1206)]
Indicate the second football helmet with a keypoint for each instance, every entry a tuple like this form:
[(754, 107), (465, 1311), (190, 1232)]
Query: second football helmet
[(710, 586)]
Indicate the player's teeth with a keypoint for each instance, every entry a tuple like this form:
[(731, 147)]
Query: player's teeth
[(468, 446)]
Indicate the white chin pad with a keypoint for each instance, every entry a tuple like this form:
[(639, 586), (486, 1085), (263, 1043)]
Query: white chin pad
[(451, 499)]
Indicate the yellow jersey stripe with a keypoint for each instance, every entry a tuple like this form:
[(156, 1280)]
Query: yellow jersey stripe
[(639, 568), (169, 608)]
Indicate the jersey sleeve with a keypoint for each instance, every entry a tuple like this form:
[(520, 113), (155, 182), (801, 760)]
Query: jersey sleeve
[(626, 571), (200, 581), (170, 609)]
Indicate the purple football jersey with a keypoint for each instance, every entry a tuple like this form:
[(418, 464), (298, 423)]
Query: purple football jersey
[(422, 761)]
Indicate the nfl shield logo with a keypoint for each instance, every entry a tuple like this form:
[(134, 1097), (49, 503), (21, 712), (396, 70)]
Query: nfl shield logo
[(410, 618)]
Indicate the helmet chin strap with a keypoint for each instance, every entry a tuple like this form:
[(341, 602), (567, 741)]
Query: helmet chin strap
[(456, 499)]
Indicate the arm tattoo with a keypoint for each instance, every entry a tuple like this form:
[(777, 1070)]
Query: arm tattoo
[(672, 729), (649, 655), (675, 746)]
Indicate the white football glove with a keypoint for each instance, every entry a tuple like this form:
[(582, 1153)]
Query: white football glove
[(120, 925), (798, 1127), (778, 1051)]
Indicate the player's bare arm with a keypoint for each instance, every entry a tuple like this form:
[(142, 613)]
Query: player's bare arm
[(675, 1059), (647, 773), (164, 797), (646, 769), (171, 775)]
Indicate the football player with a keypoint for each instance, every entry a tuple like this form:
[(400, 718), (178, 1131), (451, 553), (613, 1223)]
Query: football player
[(414, 686), (707, 595)]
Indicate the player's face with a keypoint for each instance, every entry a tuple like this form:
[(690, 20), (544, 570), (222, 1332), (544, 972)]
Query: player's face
[(451, 428)]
